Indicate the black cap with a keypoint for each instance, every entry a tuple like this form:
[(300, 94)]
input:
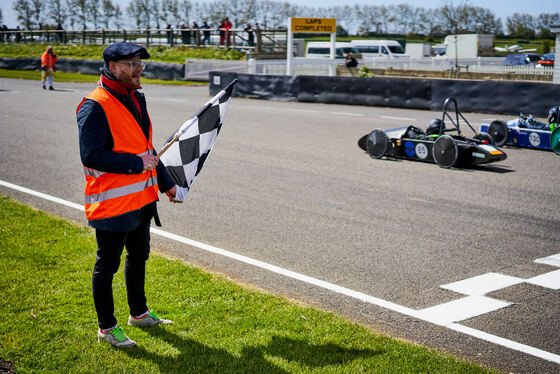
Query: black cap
[(123, 50)]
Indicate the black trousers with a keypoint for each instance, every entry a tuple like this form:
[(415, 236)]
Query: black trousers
[(109, 249)]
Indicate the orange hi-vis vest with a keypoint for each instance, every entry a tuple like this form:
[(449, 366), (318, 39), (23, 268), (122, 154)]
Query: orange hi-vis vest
[(48, 60), (110, 194)]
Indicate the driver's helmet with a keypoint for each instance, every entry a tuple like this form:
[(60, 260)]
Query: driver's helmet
[(554, 115), (434, 126)]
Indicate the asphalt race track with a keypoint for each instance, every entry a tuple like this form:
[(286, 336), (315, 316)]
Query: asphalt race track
[(288, 186)]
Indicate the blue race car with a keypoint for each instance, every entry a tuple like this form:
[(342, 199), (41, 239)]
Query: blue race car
[(446, 146), (525, 131)]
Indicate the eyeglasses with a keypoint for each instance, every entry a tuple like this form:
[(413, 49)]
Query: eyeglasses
[(134, 64)]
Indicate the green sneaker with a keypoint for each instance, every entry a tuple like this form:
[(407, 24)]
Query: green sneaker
[(150, 319), (116, 338)]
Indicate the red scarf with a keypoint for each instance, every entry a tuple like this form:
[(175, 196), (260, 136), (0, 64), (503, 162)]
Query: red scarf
[(123, 89)]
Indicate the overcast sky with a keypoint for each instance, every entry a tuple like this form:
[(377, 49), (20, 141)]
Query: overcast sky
[(497, 6)]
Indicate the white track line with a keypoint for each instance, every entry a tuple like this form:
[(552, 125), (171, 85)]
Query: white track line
[(399, 118), (317, 282), (303, 110), (348, 114)]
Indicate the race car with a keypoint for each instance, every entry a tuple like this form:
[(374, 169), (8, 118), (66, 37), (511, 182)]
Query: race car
[(447, 147), (526, 131)]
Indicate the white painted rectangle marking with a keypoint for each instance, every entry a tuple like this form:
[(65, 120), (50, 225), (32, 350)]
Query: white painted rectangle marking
[(548, 280), (458, 310), (482, 284), (553, 260)]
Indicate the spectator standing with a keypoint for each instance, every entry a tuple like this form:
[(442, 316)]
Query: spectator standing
[(228, 26), (185, 34), (115, 136), (4, 30), (169, 33), (351, 62), (222, 28), (196, 34), (206, 33), (60, 32), (250, 34), (48, 67)]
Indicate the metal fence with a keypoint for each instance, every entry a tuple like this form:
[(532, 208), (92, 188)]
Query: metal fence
[(489, 65), (259, 41), (198, 69)]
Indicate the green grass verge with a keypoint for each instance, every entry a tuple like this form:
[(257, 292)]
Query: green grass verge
[(95, 52), (84, 78), (48, 322)]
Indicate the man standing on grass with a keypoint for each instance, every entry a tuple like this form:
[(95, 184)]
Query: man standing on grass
[(123, 175)]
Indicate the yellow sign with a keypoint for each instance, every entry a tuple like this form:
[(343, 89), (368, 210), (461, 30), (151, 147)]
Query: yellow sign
[(324, 25)]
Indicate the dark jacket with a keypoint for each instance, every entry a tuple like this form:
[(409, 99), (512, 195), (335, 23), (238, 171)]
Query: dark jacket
[(96, 152)]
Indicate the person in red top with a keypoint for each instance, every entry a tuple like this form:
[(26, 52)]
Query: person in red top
[(228, 26), (48, 67), (123, 176)]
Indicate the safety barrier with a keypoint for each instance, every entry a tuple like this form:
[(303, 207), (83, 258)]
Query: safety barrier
[(155, 70), (473, 96)]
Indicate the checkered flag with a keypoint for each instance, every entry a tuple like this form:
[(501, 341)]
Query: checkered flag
[(188, 148)]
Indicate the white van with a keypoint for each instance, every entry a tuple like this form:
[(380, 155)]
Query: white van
[(323, 49), (379, 49)]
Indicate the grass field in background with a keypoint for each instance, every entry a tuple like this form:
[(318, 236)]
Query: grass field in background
[(48, 322), (95, 52), (84, 78)]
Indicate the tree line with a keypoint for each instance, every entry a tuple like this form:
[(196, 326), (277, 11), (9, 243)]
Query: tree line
[(401, 19)]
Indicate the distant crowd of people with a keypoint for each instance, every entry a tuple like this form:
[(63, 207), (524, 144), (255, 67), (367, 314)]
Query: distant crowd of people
[(189, 32)]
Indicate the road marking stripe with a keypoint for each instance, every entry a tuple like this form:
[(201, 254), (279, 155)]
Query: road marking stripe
[(317, 282), (553, 260), (399, 118), (42, 195), (348, 114), (505, 342), (303, 110), (461, 309), (548, 280), (483, 284)]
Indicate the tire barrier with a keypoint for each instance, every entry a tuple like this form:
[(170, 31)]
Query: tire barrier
[(20, 63), (390, 92), (497, 97), (154, 70), (267, 87), (165, 71), (472, 96)]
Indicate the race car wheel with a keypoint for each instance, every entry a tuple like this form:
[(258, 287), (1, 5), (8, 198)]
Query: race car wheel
[(485, 136), (499, 132), (445, 151), (377, 143), (555, 140)]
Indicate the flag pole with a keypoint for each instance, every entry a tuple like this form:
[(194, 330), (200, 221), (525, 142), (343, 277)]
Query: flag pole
[(175, 138), (181, 131)]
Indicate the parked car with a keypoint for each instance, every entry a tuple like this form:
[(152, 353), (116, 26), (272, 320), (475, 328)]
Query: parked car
[(371, 49), (521, 59), (546, 60), (323, 49)]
